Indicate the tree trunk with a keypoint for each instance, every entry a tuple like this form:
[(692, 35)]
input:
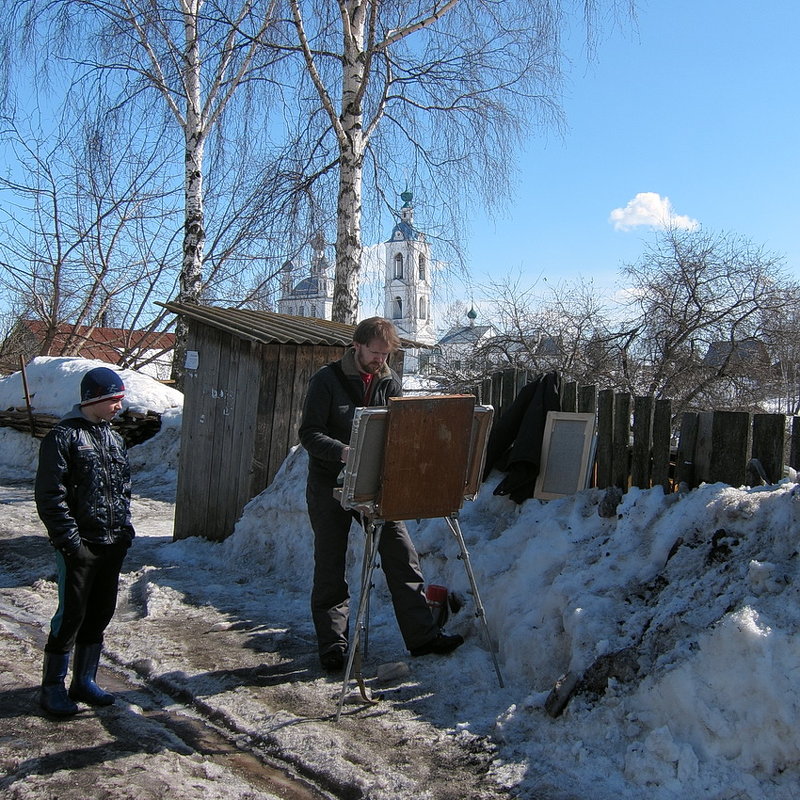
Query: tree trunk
[(351, 168), (191, 277)]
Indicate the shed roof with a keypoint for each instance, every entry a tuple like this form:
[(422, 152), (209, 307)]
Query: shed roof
[(271, 328)]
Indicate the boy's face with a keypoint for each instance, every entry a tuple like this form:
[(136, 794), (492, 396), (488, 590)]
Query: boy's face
[(103, 410)]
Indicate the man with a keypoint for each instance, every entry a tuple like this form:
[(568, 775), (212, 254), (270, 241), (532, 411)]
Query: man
[(360, 378), (83, 492)]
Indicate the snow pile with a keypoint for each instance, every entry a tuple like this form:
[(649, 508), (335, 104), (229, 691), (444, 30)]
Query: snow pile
[(54, 385), (676, 621), (54, 388), (679, 618)]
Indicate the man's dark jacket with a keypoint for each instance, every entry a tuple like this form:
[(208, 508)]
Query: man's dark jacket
[(83, 484), (515, 443), (330, 404)]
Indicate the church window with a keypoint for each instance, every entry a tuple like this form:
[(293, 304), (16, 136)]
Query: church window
[(423, 309), (302, 311), (397, 308), (398, 266), (421, 268), (313, 310)]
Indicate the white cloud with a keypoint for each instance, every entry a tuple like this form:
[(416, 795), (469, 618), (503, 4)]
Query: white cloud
[(651, 209)]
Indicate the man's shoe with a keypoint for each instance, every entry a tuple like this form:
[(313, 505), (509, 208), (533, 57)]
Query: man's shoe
[(440, 645), (332, 661)]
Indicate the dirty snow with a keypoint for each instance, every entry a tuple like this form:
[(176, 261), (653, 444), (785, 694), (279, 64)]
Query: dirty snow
[(678, 617)]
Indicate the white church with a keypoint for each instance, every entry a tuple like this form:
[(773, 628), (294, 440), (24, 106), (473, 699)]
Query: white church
[(407, 285)]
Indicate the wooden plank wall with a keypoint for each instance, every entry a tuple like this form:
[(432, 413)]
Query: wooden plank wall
[(242, 410), (639, 443)]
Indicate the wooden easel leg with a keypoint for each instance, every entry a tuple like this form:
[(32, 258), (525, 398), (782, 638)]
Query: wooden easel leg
[(452, 523)]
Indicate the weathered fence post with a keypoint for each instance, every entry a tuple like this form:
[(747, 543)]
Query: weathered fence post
[(642, 436), (662, 445), (769, 433), (730, 437), (605, 438), (687, 444), (620, 461)]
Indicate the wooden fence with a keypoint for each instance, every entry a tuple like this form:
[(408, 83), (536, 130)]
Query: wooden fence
[(639, 443)]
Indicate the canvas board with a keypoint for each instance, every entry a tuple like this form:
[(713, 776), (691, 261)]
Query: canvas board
[(362, 471), (567, 453)]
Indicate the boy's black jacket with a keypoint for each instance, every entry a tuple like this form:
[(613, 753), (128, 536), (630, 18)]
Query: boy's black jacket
[(83, 484)]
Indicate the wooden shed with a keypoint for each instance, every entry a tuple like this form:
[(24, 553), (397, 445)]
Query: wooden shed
[(245, 380)]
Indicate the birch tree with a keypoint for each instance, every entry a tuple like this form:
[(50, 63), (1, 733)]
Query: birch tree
[(195, 55), (441, 90)]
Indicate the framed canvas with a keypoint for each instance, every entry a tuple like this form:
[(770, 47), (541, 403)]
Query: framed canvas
[(568, 448), (362, 471)]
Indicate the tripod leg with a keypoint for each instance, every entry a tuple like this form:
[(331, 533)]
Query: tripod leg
[(371, 542), (452, 523)]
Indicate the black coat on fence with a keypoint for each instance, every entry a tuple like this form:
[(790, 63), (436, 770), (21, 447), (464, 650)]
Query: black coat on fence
[(515, 443)]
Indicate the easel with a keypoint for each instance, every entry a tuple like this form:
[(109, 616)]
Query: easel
[(417, 459)]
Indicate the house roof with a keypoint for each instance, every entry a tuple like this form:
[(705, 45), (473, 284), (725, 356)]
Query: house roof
[(744, 351), (271, 328), (466, 334), (103, 344)]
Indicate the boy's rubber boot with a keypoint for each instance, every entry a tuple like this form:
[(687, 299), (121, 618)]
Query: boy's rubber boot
[(84, 672), (53, 697)]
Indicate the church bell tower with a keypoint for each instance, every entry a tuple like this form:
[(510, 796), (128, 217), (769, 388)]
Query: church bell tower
[(407, 292)]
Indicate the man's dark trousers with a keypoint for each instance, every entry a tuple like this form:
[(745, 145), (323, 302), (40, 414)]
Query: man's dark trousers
[(330, 598)]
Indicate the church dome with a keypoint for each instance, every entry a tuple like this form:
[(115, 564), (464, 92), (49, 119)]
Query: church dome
[(308, 287)]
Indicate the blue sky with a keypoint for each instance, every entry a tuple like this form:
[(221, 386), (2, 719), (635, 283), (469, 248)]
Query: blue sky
[(695, 109)]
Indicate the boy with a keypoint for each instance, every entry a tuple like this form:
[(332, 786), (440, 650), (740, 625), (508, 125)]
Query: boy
[(83, 492)]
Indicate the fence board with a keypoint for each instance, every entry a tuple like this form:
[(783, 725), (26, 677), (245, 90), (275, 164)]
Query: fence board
[(569, 397), (587, 399), (730, 437), (605, 438), (662, 441), (620, 460), (702, 448), (685, 467), (794, 450), (769, 434), (642, 438), (508, 387)]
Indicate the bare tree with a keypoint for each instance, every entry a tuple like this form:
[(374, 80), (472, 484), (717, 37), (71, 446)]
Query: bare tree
[(79, 227), (699, 332), (440, 90), (195, 55)]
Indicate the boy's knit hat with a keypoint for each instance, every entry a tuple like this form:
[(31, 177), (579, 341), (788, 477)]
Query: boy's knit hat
[(100, 384)]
